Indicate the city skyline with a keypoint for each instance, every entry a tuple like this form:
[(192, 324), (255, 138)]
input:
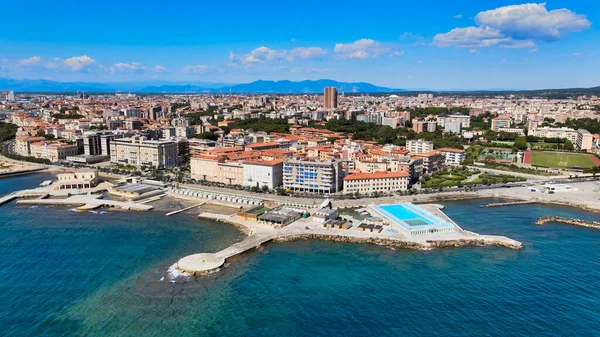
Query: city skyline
[(456, 46)]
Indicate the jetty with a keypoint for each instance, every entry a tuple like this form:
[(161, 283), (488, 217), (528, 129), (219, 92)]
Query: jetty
[(576, 222), (511, 203), (87, 202), (185, 209), (8, 198)]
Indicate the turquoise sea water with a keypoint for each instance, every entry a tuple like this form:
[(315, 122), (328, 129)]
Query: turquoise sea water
[(83, 274)]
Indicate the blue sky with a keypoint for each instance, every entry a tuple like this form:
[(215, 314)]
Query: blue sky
[(436, 44)]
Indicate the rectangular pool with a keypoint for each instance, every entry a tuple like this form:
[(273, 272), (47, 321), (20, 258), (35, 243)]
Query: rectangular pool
[(413, 219)]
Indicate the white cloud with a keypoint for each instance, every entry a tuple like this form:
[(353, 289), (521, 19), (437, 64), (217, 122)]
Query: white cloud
[(32, 61), (364, 48), (305, 53), (159, 69), (265, 54), (458, 16), (474, 51), (478, 37), (195, 69), (124, 68), (77, 63), (577, 54), (503, 60), (533, 22), (515, 26), (534, 50)]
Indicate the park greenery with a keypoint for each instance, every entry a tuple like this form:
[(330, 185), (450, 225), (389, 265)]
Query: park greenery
[(460, 177), (7, 131), (205, 135), (67, 116), (268, 125)]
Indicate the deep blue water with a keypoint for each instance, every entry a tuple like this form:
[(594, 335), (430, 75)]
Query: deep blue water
[(74, 274)]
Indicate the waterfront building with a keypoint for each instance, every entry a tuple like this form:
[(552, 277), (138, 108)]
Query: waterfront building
[(53, 151), (378, 182), (319, 177), (331, 99), (453, 156), (23, 144), (419, 145), (79, 179), (263, 173), (432, 161), (139, 151)]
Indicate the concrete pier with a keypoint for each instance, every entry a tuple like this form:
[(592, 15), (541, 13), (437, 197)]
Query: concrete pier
[(88, 202), (7, 198), (185, 209)]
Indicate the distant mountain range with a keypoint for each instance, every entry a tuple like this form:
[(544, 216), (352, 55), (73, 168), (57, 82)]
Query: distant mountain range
[(266, 87), (283, 87)]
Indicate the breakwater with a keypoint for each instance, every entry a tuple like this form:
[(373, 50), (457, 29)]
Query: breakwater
[(510, 203), (575, 222), (205, 263)]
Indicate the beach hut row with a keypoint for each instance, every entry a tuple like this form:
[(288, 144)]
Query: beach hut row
[(217, 196)]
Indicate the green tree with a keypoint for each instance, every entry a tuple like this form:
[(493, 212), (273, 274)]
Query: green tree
[(520, 143)]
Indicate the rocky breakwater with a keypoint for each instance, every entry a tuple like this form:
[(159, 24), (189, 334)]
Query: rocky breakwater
[(477, 240), (575, 222)]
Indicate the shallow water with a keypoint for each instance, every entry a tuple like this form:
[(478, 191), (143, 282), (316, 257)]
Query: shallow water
[(67, 273)]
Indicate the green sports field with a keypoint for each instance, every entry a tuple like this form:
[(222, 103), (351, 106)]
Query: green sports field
[(561, 160)]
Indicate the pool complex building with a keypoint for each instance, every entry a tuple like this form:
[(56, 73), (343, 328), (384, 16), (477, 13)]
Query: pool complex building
[(414, 220)]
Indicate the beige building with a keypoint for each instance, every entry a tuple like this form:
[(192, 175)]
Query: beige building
[(585, 140), (432, 161), (379, 182), (215, 168), (23, 144), (331, 94), (500, 122), (139, 151), (80, 179), (53, 151)]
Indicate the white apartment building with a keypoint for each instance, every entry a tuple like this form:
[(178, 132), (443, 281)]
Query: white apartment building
[(419, 146), (453, 156), (142, 152), (547, 132), (378, 182), (518, 131), (263, 173)]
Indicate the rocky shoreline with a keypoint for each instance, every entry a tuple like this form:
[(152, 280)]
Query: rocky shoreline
[(403, 244)]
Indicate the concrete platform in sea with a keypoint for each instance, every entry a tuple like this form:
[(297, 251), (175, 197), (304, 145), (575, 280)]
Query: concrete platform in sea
[(200, 263)]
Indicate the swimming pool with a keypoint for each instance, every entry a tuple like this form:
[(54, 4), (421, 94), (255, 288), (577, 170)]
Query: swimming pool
[(412, 219), (407, 215)]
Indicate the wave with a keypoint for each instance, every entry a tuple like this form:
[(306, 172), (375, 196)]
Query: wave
[(175, 273)]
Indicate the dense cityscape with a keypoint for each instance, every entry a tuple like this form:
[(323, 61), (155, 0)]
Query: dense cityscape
[(307, 144)]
